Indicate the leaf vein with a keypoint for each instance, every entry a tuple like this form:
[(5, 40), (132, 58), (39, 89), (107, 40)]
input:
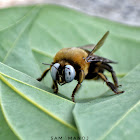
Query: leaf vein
[(119, 121), (18, 21), (34, 103), (51, 34), (12, 47)]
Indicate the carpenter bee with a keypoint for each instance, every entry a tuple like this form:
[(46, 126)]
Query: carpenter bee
[(79, 63)]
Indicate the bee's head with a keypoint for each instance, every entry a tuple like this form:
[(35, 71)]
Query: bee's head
[(63, 74)]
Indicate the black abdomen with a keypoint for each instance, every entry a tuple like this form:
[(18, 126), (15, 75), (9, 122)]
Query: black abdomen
[(92, 74)]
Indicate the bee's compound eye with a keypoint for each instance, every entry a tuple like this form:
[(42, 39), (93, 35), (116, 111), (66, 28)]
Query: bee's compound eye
[(54, 70), (69, 73)]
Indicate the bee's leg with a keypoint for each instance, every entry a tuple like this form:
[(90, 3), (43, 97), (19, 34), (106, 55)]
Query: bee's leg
[(43, 74), (75, 90), (110, 69), (55, 87), (109, 84), (80, 80)]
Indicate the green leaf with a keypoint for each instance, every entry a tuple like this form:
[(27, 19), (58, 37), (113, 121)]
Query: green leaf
[(112, 117), (32, 35), (5, 131), (39, 32), (28, 108)]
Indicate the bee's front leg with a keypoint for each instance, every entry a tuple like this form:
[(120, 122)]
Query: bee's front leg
[(55, 87), (43, 74), (80, 80)]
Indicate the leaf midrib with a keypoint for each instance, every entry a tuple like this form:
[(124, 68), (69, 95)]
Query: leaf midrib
[(34, 103)]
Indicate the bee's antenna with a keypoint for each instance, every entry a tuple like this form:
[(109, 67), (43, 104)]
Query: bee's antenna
[(47, 64), (51, 65)]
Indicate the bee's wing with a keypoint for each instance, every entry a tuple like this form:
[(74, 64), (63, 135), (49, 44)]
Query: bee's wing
[(95, 58), (98, 45), (87, 47)]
